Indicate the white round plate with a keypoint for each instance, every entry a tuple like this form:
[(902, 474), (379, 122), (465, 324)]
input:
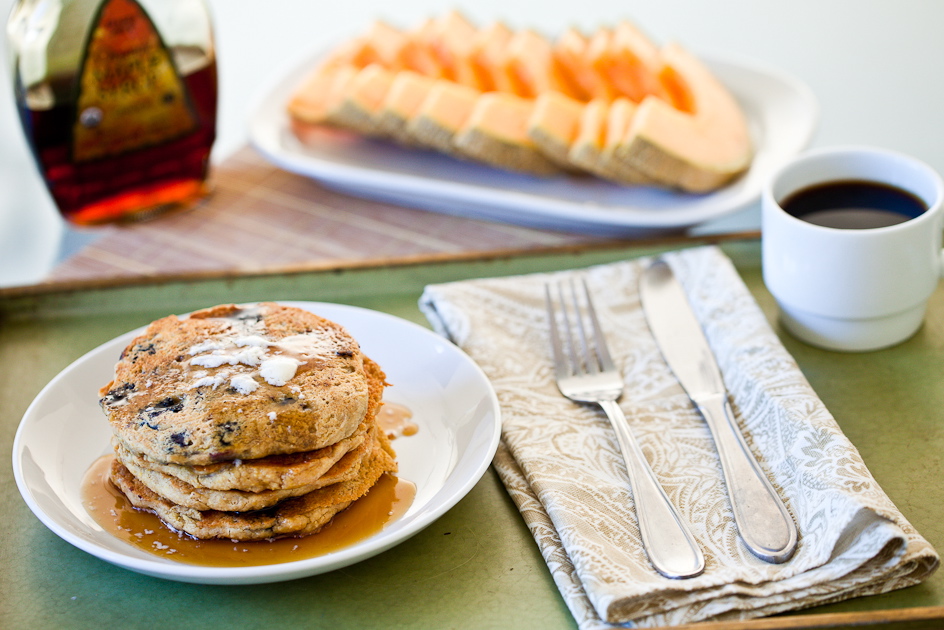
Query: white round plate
[(64, 431), (781, 111)]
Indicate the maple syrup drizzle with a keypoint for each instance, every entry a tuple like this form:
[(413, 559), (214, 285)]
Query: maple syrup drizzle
[(387, 501), (396, 420)]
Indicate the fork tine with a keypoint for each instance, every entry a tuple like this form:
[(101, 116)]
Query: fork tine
[(589, 357), (576, 361), (575, 351), (603, 353), (560, 361)]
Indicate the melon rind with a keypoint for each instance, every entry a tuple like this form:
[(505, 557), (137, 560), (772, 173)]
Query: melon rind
[(442, 114), (403, 100), (553, 126), (307, 103), (360, 107), (619, 118), (317, 102), (594, 144), (496, 133)]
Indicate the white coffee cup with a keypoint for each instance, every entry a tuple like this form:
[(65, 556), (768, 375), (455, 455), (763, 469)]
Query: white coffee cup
[(852, 289)]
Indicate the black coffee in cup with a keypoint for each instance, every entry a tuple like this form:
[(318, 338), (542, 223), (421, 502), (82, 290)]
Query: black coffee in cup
[(853, 205)]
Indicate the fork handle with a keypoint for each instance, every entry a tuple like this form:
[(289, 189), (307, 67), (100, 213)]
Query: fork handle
[(665, 536)]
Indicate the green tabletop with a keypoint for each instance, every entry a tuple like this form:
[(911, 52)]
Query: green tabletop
[(477, 566)]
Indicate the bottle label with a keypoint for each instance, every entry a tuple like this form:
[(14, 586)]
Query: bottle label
[(130, 95)]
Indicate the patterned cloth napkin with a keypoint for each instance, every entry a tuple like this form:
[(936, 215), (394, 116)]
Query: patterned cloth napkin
[(560, 462)]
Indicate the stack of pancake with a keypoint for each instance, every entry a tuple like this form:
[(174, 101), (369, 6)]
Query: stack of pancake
[(247, 423)]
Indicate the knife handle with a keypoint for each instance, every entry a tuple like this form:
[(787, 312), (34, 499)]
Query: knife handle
[(762, 519), (670, 545)]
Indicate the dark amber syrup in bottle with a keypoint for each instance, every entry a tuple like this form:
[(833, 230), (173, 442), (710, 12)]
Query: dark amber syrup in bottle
[(139, 178)]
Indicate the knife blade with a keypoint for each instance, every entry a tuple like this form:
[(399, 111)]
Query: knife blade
[(760, 516)]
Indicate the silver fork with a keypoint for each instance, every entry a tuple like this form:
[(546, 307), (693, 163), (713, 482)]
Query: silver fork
[(585, 373)]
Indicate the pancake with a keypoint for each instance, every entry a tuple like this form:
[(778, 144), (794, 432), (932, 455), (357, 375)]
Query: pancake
[(298, 516), (234, 382), (348, 468), (246, 422), (275, 472)]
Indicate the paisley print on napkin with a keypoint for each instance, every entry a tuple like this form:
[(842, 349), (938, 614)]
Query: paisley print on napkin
[(561, 465)]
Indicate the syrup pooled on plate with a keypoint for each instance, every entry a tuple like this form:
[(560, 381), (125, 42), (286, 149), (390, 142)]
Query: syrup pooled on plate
[(386, 502), (396, 420)]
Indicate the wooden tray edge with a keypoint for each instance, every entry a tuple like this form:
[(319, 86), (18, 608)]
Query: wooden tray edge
[(66, 286)]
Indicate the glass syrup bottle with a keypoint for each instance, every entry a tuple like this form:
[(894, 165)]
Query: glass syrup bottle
[(117, 99)]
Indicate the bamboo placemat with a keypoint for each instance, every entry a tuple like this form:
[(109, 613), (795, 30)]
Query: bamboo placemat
[(260, 218)]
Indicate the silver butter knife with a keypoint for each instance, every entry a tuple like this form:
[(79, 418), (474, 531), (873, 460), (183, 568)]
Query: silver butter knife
[(761, 518)]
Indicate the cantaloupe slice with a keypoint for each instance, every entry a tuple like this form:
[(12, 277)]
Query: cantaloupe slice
[(602, 125), (445, 109), (697, 151), (594, 62), (587, 145), (619, 118), (383, 44), (496, 133), (626, 60), (419, 55), (320, 96), (486, 55), (635, 61), (532, 69), (553, 126), (360, 107), (570, 52), (403, 100), (337, 92), (452, 41), (676, 89), (307, 103)]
